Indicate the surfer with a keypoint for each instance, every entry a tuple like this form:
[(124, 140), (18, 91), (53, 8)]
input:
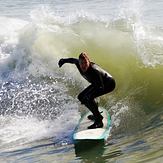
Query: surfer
[(101, 83)]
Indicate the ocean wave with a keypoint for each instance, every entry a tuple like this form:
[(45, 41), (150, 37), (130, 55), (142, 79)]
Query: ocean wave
[(125, 47)]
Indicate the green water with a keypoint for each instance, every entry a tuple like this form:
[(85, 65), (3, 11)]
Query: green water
[(39, 109)]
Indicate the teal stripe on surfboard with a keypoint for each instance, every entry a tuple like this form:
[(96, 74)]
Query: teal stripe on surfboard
[(107, 131)]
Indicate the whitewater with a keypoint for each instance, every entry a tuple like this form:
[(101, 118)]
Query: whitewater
[(39, 109)]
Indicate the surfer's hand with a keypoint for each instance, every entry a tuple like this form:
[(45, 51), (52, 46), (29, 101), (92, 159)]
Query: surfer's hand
[(61, 62)]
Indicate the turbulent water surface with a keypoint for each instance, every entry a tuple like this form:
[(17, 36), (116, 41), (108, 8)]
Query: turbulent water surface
[(38, 105)]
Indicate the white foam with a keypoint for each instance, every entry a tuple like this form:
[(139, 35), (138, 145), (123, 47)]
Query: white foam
[(118, 110), (17, 131), (9, 28)]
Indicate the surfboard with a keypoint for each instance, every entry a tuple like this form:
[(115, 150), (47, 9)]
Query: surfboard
[(81, 132)]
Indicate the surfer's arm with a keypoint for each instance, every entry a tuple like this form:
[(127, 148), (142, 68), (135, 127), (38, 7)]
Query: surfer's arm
[(98, 76), (99, 80), (68, 60)]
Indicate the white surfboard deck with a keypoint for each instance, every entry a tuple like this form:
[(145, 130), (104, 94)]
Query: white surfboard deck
[(83, 133)]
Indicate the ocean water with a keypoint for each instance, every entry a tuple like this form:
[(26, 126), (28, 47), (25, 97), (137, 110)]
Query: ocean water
[(38, 101)]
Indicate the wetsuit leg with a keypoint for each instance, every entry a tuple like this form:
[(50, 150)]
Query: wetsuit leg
[(87, 98), (82, 96), (108, 87)]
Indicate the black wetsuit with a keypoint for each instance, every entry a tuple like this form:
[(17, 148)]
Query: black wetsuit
[(101, 83)]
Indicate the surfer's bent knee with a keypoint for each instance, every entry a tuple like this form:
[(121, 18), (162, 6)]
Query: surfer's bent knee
[(83, 99)]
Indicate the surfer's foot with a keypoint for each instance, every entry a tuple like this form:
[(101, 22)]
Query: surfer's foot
[(98, 122), (92, 118), (96, 125)]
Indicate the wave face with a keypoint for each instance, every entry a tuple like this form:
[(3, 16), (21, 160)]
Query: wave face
[(35, 92)]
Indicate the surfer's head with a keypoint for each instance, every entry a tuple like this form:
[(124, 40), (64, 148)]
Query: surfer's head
[(84, 61)]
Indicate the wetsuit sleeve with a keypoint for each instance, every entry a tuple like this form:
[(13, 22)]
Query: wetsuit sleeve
[(71, 60), (99, 80), (68, 60)]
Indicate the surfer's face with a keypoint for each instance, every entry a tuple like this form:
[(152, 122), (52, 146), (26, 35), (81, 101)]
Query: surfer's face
[(84, 64)]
